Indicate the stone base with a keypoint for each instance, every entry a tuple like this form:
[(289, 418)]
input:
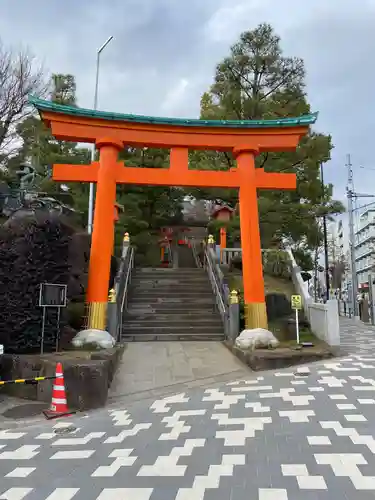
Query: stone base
[(87, 376), (100, 339), (281, 357)]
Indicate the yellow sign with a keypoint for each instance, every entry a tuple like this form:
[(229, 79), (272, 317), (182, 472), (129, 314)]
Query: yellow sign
[(296, 301)]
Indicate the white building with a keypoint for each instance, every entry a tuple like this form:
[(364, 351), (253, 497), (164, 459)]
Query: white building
[(364, 247), (343, 255), (341, 242), (338, 257)]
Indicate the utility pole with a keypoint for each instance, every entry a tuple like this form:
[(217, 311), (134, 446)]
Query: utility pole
[(350, 195), (326, 264)]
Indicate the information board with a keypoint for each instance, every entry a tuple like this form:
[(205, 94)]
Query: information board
[(52, 295), (296, 301)]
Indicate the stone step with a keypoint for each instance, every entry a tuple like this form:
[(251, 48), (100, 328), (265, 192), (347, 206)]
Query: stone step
[(205, 289), (170, 278), (195, 324), (165, 308), (176, 337), (187, 301), (169, 281), (153, 271), (187, 293), (174, 330), (172, 315)]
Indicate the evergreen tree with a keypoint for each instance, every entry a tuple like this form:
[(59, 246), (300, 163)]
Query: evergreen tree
[(256, 81)]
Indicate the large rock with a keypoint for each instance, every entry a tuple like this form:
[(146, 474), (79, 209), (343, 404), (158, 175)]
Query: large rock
[(256, 337), (98, 338)]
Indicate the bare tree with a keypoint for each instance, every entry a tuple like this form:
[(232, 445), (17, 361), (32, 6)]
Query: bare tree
[(20, 77), (338, 269)]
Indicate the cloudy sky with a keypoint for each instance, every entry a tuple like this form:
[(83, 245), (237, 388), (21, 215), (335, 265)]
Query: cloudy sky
[(164, 52)]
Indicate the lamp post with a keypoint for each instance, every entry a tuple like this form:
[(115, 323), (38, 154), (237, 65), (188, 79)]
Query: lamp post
[(91, 195)]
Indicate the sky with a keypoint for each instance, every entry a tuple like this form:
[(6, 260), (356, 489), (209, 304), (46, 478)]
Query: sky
[(164, 52)]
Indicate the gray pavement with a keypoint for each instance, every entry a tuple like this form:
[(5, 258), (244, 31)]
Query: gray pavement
[(150, 369), (308, 431)]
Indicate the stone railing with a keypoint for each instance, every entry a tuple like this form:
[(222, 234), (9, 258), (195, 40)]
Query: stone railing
[(228, 254), (300, 285), (275, 262)]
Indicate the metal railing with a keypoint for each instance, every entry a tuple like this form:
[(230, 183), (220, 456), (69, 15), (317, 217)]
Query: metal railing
[(170, 253), (122, 281), (197, 260), (226, 302), (128, 275), (216, 282)]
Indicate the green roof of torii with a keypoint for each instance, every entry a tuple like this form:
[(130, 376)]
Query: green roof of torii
[(43, 105)]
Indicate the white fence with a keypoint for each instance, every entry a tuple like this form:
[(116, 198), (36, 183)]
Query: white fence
[(324, 321), (323, 318)]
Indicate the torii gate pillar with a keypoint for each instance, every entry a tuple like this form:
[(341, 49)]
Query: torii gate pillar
[(103, 232), (252, 269)]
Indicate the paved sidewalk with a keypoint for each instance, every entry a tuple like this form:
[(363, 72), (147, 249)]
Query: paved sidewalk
[(357, 336), (157, 368), (298, 433)]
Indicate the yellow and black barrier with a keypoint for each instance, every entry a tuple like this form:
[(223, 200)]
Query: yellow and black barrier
[(30, 381)]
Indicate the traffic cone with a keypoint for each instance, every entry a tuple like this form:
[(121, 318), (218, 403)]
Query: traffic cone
[(59, 406)]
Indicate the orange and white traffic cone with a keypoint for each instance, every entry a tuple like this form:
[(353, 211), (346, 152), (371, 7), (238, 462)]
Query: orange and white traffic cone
[(59, 405)]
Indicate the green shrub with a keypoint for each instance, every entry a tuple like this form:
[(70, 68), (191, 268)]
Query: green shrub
[(276, 263)]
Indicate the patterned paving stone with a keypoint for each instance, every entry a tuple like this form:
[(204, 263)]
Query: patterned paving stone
[(277, 436)]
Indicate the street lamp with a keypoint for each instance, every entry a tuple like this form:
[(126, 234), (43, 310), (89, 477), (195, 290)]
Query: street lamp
[(91, 195)]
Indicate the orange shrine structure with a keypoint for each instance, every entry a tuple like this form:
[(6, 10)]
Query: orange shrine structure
[(112, 132)]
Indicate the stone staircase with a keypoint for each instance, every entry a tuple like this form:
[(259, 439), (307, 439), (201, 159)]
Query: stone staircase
[(171, 304)]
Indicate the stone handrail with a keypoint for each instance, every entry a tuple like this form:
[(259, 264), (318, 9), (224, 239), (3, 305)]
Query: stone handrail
[(301, 286)]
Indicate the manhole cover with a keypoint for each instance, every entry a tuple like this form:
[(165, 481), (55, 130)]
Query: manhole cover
[(65, 430), (25, 411)]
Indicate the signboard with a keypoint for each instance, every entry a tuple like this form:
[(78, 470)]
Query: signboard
[(52, 295), (296, 301)]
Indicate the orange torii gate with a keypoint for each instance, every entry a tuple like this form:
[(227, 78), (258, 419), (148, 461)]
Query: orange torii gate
[(111, 132)]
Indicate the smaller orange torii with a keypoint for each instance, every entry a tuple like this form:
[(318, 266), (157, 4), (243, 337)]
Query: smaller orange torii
[(111, 132)]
